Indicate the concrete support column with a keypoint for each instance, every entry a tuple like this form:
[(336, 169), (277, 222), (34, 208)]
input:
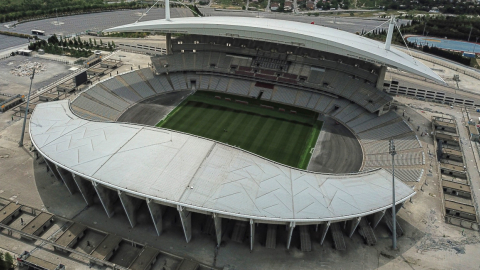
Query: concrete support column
[(52, 168), (86, 189), (252, 233), (353, 226), (291, 226), (67, 179), (156, 212), (186, 218), (376, 218), (169, 43), (107, 197), (325, 228), (130, 204), (381, 78), (217, 221)]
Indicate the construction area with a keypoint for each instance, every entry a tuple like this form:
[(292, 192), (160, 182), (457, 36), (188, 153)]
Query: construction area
[(74, 240)]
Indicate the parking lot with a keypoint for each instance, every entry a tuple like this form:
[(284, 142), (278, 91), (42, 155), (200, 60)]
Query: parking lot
[(94, 22), (9, 41)]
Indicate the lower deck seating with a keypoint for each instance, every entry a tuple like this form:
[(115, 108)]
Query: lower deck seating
[(401, 159), (109, 99)]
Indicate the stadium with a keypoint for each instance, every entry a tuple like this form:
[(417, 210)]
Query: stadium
[(239, 141)]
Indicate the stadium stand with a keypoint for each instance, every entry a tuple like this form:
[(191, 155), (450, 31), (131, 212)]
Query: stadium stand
[(204, 82), (407, 175), (239, 87), (312, 103), (344, 80), (323, 104), (405, 143), (302, 98), (154, 82), (385, 132), (267, 94), (96, 108), (284, 95), (138, 84), (178, 81), (222, 84), (121, 90), (374, 122), (106, 97), (401, 159), (107, 100)]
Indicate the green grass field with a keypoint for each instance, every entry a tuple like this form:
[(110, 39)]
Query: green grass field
[(280, 136)]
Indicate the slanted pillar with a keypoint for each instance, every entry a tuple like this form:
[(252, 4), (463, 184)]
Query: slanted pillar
[(67, 179), (86, 189), (291, 226), (391, 27), (186, 218), (252, 233), (156, 212), (353, 226), (107, 198), (381, 77), (167, 10), (130, 204), (52, 168), (325, 228), (376, 218), (217, 221)]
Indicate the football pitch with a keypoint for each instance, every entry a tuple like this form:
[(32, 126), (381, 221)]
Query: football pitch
[(282, 136)]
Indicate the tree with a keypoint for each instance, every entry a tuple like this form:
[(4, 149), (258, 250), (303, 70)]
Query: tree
[(2, 262), (101, 42), (95, 42), (113, 44)]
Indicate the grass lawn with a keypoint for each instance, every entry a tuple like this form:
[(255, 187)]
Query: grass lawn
[(280, 136)]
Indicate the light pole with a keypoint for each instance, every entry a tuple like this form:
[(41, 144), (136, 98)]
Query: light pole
[(394, 222), (20, 143), (476, 40)]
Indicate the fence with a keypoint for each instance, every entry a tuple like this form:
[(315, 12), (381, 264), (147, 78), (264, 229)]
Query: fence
[(67, 62)]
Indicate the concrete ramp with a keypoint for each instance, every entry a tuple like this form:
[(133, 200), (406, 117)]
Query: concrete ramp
[(337, 235), (367, 232), (271, 241), (387, 218), (305, 241), (239, 231)]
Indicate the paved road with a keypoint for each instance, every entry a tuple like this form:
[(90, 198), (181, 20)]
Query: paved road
[(337, 150), (151, 111)]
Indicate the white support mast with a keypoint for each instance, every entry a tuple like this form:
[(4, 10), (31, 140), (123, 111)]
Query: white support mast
[(167, 10), (391, 27)]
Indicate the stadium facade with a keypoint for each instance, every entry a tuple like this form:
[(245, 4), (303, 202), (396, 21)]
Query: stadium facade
[(91, 153)]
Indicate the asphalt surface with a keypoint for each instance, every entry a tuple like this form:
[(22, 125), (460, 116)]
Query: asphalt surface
[(10, 41), (77, 24), (348, 24), (337, 150), (151, 111)]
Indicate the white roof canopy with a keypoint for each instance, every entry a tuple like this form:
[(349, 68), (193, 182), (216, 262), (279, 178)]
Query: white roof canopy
[(202, 174), (288, 32)]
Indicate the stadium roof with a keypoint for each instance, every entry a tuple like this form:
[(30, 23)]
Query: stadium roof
[(288, 32), (202, 174)]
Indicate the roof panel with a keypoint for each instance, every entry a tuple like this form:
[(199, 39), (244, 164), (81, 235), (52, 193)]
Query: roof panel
[(202, 174), (288, 32)]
